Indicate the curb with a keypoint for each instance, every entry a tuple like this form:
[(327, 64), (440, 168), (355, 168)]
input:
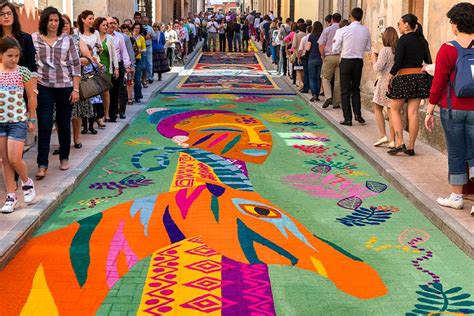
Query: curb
[(457, 233), (42, 210)]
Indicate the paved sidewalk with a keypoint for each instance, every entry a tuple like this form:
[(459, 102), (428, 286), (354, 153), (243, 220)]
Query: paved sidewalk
[(422, 178)]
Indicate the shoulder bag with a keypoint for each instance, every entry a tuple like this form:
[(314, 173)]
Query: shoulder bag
[(94, 82)]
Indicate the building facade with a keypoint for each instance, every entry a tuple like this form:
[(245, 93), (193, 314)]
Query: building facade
[(225, 5), (158, 10)]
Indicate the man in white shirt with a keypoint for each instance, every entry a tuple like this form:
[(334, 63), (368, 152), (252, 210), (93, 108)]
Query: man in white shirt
[(212, 34), (285, 30), (118, 94), (251, 20), (352, 41), (256, 26), (270, 14), (330, 68), (171, 38)]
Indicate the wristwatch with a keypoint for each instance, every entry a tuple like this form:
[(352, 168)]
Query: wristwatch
[(36, 91), (76, 90), (32, 120)]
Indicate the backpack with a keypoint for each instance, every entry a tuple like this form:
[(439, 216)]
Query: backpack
[(463, 84), (284, 31)]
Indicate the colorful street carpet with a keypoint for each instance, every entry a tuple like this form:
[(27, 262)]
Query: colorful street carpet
[(229, 59), (222, 82), (220, 204), (241, 73)]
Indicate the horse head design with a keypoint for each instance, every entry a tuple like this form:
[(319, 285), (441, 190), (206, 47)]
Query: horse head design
[(210, 198), (247, 228)]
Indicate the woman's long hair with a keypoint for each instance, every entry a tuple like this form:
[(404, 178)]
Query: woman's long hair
[(98, 21), (317, 29), (390, 38), (68, 20), (84, 14), (16, 26), (412, 21)]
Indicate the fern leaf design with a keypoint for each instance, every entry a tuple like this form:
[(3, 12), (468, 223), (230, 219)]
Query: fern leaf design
[(327, 186), (334, 164), (364, 217), (434, 299)]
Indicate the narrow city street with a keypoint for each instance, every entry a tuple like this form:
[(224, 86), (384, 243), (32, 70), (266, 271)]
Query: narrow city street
[(229, 195)]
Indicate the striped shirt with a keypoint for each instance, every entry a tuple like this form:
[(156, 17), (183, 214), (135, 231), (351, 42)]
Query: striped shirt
[(57, 64)]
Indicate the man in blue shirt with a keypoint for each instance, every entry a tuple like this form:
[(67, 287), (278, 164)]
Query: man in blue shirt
[(149, 37)]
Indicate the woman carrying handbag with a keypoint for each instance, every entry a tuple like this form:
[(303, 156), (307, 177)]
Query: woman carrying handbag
[(108, 58)]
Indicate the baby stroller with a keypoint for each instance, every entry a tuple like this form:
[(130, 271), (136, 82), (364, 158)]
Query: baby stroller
[(178, 54)]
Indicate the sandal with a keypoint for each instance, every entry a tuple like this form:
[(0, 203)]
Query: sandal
[(130, 101), (56, 152), (41, 173), (64, 165), (78, 145), (100, 123)]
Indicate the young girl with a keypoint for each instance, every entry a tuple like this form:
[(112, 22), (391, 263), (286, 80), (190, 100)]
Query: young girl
[(14, 121)]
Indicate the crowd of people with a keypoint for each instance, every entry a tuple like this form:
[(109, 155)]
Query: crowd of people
[(41, 76), (328, 61)]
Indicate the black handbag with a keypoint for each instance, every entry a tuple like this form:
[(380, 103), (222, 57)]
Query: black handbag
[(93, 83)]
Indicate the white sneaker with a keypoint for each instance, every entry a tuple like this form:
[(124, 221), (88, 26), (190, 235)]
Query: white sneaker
[(29, 192), (11, 203), (449, 202), (381, 141)]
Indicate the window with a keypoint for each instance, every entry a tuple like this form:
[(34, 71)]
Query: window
[(145, 7)]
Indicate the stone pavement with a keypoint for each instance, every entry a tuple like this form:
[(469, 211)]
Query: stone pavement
[(422, 178), (235, 204)]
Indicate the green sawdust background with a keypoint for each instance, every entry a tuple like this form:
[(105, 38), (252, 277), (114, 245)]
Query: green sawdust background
[(296, 292)]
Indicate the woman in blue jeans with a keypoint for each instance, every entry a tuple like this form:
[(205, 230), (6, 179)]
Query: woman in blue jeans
[(457, 112), (314, 60), (140, 60), (56, 90)]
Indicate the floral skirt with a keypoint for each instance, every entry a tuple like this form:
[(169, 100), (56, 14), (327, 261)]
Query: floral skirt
[(83, 109)]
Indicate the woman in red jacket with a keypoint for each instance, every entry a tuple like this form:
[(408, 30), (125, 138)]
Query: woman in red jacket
[(458, 122)]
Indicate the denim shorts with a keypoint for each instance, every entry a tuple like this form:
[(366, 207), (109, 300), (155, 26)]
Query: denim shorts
[(14, 131)]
